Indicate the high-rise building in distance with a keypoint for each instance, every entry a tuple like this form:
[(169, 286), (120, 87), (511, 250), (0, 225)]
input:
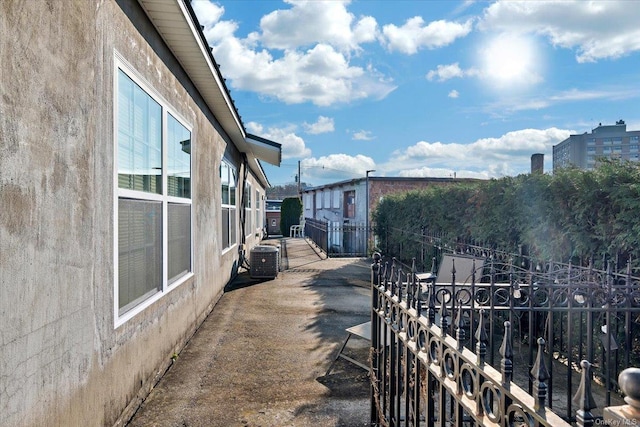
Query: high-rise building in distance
[(609, 141)]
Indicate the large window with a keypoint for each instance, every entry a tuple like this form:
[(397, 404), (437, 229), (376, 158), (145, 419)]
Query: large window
[(228, 176), (248, 217), (153, 209), (258, 210)]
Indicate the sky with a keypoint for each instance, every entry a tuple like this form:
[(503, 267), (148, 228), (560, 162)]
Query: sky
[(423, 88)]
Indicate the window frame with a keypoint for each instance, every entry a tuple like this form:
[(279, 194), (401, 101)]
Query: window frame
[(258, 211), (248, 209), (232, 225), (122, 317), (349, 210), (336, 197)]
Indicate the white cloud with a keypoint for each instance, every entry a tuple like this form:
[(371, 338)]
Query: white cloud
[(336, 167), (363, 135), (315, 65), (463, 6), (508, 154), (427, 172), (415, 35), (446, 72), (511, 105), (322, 125), (309, 22), (453, 94), (208, 13), (292, 144), (595, 29)]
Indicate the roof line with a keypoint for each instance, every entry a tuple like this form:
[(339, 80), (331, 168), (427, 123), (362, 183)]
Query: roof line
[(264, 140), (216, 66)]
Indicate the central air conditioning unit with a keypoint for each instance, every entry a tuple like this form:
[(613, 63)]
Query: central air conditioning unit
[(265, 262)]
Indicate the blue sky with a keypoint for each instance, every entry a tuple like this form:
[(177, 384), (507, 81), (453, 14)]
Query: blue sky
[(424, 88)]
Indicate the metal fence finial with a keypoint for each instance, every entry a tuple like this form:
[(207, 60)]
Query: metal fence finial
[(583, 398), (540, 375), (392, 275), (506, 351), (375, 269), (431, 304)]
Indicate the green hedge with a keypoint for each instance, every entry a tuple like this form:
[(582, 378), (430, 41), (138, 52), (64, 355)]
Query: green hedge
[(290, 213), (571, 215)]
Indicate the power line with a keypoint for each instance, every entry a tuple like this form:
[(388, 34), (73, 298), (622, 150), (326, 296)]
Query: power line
[(327, 168)]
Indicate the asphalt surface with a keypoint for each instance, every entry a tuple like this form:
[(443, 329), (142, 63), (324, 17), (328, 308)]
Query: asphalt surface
[(260, 357)]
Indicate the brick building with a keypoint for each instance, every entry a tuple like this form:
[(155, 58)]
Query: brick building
[(350, 203)]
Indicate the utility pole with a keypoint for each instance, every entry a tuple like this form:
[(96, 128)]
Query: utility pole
[(367, 212)]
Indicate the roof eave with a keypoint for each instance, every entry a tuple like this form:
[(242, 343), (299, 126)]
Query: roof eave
[(178, 25)]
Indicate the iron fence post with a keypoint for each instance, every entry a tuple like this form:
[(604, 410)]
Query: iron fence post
[(375, 335)]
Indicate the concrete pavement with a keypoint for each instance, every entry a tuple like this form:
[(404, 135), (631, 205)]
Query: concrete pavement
[(260, 357)]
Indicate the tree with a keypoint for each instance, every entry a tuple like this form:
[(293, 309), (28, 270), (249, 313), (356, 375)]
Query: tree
[(573, 215), (280, 192), (290, 214)]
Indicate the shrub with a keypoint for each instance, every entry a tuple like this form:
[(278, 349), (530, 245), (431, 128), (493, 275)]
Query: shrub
[(290, 214)]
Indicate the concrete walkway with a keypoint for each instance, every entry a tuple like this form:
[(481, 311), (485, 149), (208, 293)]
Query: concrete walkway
[(260, 357)]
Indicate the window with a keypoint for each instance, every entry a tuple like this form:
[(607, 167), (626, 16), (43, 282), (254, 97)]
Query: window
[(308, 202), (326, 199), (153, 209), (258, 211), (274, 205), (228, 175), (350, 204), (248, 217), (335, 202)]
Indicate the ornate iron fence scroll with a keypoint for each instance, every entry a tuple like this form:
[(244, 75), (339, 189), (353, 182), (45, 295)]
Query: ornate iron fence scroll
[(422, 374)]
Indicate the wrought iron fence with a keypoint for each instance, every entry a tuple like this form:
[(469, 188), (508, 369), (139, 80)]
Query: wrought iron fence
[(424, 373), (338, 239), (582, 313)]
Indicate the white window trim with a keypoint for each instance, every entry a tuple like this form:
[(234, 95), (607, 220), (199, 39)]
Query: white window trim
[(248, 212), (234, 207), (258, 211), (120, 319)]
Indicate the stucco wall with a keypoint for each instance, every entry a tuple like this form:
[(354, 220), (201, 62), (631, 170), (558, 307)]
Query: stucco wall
[(64, 363)]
